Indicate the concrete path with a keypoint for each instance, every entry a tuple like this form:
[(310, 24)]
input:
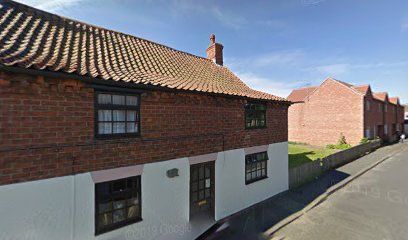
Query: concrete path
[(373, 206), (251, 223)]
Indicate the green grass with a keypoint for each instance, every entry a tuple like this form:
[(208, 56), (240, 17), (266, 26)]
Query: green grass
[(301, 153)]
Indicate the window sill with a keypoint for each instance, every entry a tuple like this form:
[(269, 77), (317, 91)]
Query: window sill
[(117, 226), (116, 136), (255, 180), (254, 128)]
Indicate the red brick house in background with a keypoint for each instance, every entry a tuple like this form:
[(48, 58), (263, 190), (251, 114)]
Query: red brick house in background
[(321, 114), (109, 136)]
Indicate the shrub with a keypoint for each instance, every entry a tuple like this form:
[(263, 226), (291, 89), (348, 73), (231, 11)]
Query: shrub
[(343, 146), (364, 140), (342, 140)]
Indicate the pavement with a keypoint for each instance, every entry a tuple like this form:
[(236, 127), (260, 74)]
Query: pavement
[(255, 221), (372, 206)]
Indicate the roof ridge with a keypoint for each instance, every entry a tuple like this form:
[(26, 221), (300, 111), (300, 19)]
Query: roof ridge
[(30, 8)]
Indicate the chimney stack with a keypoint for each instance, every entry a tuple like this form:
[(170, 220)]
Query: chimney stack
[(214, 51)]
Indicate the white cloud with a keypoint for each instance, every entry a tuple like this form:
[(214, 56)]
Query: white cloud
[(275, 87), (333, 69), (287, 58), (225, 17), (228, 19), (51, 5)]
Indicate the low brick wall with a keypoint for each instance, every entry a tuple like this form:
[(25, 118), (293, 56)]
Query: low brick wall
[(303, 173)]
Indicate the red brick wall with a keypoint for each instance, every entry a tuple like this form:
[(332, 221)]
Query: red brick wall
[(47, 128), (331, 110), (374, 116)]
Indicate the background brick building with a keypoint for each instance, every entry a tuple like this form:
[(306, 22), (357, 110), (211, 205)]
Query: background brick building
[(320, 115)]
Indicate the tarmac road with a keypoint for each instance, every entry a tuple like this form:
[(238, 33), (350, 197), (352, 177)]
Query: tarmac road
[(373, 206)]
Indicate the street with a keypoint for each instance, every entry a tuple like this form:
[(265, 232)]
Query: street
[(357, 204), (374, 206)]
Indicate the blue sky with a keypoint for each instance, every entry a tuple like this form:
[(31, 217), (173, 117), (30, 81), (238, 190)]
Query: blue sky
[(274, 46)]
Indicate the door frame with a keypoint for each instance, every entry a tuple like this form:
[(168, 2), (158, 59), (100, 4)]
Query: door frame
[(212, 188)]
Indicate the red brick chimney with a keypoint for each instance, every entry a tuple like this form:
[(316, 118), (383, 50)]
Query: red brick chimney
[(214, 51)]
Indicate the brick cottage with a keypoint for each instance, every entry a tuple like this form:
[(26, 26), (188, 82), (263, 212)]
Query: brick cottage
[(320, 115), (109, 136)]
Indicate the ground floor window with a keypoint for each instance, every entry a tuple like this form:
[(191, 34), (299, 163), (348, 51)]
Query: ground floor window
[(117, 204), (368, 133), (255, 167)]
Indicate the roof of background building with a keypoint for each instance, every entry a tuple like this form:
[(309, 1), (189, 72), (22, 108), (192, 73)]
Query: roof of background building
[(299, 95), (34, 39), (382, 96)]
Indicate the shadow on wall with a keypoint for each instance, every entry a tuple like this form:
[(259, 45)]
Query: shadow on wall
[(298, 159), (252, 222)]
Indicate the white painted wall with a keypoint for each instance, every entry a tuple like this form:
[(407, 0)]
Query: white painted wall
[(165, 202), (63, 208), (36, 210), (231, 192)]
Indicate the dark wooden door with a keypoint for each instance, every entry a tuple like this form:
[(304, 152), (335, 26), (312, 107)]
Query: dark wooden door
[(202, 184)]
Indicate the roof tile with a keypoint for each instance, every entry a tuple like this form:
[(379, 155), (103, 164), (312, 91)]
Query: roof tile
[(31, 38)]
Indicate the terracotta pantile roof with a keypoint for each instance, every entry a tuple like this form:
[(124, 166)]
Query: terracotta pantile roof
[(383, 96), (300, 94), (395, 100), (363, 89), (31, 38)]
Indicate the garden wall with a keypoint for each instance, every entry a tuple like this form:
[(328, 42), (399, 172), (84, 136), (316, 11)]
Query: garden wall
[(303, 173)]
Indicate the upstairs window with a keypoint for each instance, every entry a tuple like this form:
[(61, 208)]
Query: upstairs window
[(255, 115), (255, 167), (117, 114), (117, 204), (368, 105)]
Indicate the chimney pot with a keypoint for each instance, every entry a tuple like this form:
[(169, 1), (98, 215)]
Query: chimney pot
[(214, 51), (212, 38)]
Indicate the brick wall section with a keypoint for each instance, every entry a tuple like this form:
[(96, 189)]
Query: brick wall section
[(47, 128), (374, 116), (333, 109)]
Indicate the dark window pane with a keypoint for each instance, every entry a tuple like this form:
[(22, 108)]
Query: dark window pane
[(201, 171), (131, 100), (104, 115), (118, 127), (105, 128), (133, 211), (118, 215), (207, 172), (105, 207), (117, 114), (201, 195), (119, 204), (255, 166), (105, 219), (131, 127), (194, 186), (118, 99), (207, 193), (131, 116), (104, 99), (119, 186)]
